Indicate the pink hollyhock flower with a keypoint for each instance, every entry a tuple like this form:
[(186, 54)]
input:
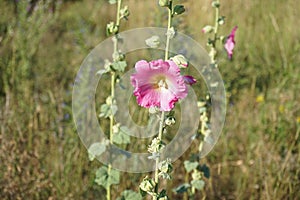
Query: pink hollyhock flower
[(158, 83), (230, 43)]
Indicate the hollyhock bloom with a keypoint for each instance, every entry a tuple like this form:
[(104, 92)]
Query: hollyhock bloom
[(230, 43), (158, 83)]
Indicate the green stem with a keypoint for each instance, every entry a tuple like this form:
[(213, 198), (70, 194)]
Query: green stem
[(170, 8), (216, 28), (162, 117), (113, 81)]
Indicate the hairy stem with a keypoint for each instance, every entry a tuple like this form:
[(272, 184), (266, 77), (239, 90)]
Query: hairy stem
[(170, 8), (162, 117), (216, 28), (113, 81)]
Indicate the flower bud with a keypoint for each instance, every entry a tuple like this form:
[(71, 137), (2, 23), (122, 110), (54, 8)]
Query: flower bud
[(221, 20), (165, 166), (196, 175), (170, 121), (124, 12), (207, 29), (109, 100), (153, 41), (111, 28), (156, 146), (147, 185), (215, 4), (171, 33), (116, 128), (164, 3), (179, 9), (153, 110), (180, 61)]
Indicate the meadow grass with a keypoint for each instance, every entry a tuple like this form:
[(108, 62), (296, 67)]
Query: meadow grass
[(41, 155)]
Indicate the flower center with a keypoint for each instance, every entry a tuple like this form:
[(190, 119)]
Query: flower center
[(162, 83)]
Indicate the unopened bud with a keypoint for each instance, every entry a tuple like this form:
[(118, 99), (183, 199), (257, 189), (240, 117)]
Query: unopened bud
[(111, 28), (153, 41), (124, 12), (207, 29), (170, 121), (215, 4), (180, 61), (164, 3)]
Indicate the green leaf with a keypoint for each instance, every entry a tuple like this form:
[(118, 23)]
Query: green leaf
[(104, 111), (205, 169), (143, 193), (112, 1), (182, 188), (96, 149), (106, 179), (114, 109), (189, 166), (130, 195), (179, 9), (122, 137), (198, 184), (119, 66)]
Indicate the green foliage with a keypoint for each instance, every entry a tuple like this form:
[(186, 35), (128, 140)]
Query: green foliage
[(178, 9), (123, 136), (96, 149), (182, 188), (119, 66), (198, 184), (112, 1), (130, 195), (105, 178), (107, 110), (190, 166)]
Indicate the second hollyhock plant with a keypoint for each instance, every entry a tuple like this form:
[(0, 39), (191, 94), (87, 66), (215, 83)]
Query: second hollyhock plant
[(159, 84)]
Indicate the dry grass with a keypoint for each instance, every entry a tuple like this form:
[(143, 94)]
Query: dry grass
[(257, 156)]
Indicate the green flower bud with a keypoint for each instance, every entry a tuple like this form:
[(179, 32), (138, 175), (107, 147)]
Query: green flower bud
[(124, 12), (208, 29), (165, 166), (153, 41), (221, 20), (116, 128), (153, 110), (109, 100), (178, 9), (180, 61), (164, 3), (118, 56), (171, 33), (111, 28), (147, 185), (170, 121), (196, 175), (156, 146), (215, 4)]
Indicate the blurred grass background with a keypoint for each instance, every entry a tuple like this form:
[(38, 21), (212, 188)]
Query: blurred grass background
[(42, 45)]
